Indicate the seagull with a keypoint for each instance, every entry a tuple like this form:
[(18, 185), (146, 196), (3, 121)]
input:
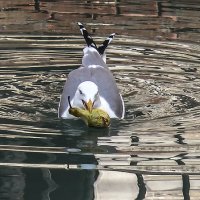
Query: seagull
[(92, 85)]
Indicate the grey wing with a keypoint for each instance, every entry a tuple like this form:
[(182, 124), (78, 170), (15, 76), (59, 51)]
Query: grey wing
[(74, 79), (106, 85), (108, 89)]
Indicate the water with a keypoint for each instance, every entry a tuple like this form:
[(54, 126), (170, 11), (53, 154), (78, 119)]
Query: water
[(152, 154)]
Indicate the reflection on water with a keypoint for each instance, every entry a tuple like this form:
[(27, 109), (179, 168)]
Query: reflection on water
[(153, 153)]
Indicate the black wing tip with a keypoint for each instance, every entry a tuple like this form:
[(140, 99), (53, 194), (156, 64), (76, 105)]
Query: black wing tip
[(104, 45), (80, 25), (112, 35), (90, 42), (88, 39)]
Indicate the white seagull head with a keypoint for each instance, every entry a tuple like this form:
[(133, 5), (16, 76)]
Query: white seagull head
[(87, 96)]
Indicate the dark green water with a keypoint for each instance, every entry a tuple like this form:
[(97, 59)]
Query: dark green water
[(152, 154)]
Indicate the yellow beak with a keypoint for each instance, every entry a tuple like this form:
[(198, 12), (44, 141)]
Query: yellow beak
[(89, 105)]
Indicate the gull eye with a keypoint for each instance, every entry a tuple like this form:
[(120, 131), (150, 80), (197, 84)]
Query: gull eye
[(80, 92)]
